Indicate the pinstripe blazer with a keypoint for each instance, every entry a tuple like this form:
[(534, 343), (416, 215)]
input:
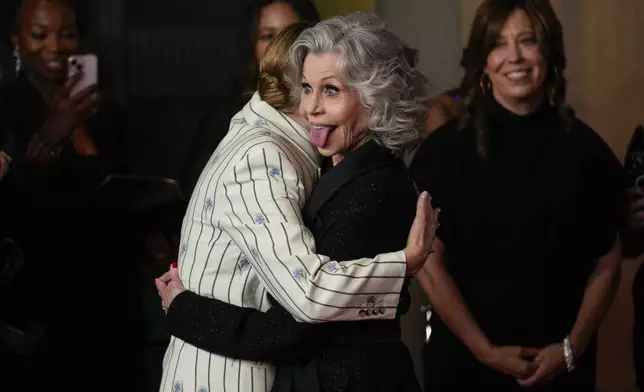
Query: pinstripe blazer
[(243, 238)]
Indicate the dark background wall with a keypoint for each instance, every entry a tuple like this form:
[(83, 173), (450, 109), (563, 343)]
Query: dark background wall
[(176, 67)]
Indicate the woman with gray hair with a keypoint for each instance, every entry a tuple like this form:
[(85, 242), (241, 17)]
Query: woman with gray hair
[(366, 105)]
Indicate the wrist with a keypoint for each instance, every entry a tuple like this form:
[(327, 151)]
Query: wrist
[(176, 294), (569, 358), (577, 344), (414, 262), (54, 131), (411, 260), (484, 352), (49, 142)]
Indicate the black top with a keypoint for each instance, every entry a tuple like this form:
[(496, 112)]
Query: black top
[(53, 196), (524, 225), (23, 111), (362, 207)]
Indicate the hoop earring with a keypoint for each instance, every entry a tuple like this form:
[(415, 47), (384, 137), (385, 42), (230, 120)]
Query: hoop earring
[(485, 84), (18, 61)]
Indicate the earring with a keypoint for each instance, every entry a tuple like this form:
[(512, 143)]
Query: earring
[(16, 56)]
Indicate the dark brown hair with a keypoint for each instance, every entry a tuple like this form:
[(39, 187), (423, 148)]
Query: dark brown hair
[(489, 20), (304, 9), (273, 82)]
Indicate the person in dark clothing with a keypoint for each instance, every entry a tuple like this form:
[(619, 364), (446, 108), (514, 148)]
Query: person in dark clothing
[(267, 18), (633, 246), (638, 335), (363, 205), (527, 258), (62, 146)]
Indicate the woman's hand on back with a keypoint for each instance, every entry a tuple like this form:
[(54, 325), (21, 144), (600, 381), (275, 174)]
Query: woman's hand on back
[(422, 234)]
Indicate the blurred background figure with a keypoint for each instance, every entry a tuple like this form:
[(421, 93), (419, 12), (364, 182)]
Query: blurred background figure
[(633, 241), (269, 18), (638, 329), (527, 262), (63, 145), (443, 108), (263, 20)]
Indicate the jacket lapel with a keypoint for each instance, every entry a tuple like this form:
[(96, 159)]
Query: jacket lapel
[(368, 157)]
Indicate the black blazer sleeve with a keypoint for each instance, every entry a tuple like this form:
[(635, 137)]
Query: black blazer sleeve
[(236, 332)]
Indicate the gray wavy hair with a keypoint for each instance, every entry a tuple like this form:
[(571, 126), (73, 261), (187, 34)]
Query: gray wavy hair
[(380, 67)]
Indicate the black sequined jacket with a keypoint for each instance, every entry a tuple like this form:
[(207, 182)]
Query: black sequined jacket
[(361, 207)]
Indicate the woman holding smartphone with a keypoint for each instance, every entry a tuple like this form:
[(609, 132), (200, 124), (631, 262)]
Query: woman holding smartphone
[(63, 143)]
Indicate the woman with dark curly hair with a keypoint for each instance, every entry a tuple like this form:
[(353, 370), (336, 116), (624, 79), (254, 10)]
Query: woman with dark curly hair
[(527, 258)]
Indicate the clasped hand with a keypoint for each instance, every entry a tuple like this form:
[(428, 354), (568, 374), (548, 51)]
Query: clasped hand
[(169, 285), (530, 366)]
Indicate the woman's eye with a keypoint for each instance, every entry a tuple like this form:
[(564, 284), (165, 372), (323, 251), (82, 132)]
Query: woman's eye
[(331, 90), (529, 41)]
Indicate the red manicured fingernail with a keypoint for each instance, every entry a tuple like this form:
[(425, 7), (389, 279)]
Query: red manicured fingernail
[(174, 265)]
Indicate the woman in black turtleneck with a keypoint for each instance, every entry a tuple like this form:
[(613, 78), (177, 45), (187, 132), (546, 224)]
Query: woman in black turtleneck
[(528, 257)]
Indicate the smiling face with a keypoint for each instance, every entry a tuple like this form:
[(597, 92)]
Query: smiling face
[(47, 36), (515, 66), (334, 110)]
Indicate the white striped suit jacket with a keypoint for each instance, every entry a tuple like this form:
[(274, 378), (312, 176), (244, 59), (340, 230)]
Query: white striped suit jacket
[(243, 237)]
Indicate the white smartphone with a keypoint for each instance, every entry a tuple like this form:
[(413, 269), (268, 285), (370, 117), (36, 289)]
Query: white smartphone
[(87, 64)]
